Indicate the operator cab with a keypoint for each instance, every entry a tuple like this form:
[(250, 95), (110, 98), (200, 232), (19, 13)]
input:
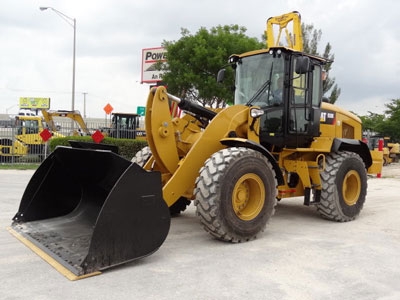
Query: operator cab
[(124, 125), (287, 86)]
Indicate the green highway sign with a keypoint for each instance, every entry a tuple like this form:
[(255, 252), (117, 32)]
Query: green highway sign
[(141, 110)]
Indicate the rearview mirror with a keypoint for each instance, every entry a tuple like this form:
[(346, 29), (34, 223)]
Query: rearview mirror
[(303, 65), (221, 75)]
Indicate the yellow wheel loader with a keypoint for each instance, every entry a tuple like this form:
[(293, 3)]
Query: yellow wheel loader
[(87, 210)]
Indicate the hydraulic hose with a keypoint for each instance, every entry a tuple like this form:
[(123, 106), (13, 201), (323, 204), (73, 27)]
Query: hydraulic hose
[(193, 107)]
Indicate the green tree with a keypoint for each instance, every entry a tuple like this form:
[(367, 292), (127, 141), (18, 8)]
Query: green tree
[(194, 61), (387, 124), (391, 126), (372, 122), (311, 39)]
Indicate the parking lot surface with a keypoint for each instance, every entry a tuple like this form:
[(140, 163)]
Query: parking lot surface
[(299, 256)]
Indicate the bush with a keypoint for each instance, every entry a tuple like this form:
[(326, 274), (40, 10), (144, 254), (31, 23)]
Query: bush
[(127, 148)]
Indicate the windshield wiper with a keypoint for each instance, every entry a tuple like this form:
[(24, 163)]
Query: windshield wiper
[(259, 92), (262, 88)]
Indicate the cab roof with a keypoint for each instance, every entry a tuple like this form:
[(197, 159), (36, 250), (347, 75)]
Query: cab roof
[(322, 60)]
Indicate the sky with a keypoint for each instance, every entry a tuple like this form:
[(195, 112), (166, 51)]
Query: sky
[(36, 47)]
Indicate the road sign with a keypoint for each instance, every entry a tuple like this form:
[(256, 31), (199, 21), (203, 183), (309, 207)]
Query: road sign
[(45, 135), (97, 136), (108, 108), (141, 110)]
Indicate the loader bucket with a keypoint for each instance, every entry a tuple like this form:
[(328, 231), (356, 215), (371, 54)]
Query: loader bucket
[(88, 210)]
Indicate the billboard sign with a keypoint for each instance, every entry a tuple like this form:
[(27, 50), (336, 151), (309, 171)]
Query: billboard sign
[(150, 57), (34, 103)]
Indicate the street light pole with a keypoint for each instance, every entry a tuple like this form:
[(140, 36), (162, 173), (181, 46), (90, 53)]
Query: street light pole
[(73, 69), (71, 22)]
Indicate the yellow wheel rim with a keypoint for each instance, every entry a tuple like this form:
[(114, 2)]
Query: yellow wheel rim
[(248, 197), (351, 188)]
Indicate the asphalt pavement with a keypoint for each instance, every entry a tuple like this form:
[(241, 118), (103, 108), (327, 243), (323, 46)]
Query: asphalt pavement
[(299, 256)]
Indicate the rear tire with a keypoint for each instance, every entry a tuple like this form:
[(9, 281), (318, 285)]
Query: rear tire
[(235, 194), (141, 157), (344, 187)]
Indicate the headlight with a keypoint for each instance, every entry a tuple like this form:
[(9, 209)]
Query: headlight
[(256, 112)]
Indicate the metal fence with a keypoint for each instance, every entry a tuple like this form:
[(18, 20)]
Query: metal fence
[(25, 145)]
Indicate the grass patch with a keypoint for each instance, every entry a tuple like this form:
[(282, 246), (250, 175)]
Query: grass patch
[(18, 166)]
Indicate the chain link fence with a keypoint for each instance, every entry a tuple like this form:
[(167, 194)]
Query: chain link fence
[(23, 144)]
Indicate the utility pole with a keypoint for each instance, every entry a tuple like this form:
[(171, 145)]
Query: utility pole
[(84, 104)]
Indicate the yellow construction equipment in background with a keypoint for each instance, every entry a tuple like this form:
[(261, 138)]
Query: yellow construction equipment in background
[(390, 150), (24, 138), (125, 126), (75, 117)]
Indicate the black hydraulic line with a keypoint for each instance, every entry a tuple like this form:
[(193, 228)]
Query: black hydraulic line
[(197, 109), (193, 107)]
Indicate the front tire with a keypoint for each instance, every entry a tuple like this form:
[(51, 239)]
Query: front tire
[(235, 194), (344, 187)]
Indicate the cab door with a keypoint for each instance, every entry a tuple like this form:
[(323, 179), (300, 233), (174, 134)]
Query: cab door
[(304, 106)]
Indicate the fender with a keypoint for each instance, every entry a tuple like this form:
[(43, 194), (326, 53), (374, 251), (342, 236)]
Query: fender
[(241, 142), (357, 146)]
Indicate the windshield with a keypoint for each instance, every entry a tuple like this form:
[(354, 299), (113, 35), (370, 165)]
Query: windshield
[(257, 77)]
